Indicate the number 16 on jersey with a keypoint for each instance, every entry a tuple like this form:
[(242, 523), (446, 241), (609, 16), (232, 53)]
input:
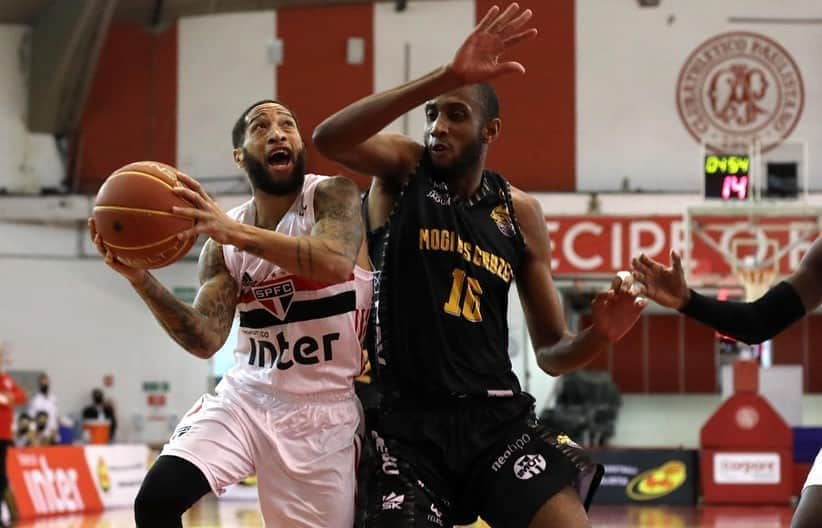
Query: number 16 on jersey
[(469, 308)]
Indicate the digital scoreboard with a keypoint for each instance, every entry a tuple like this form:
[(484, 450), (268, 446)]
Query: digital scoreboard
[(727, 177)]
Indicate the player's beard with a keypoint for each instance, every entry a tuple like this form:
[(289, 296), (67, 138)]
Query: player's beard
[(468, 158), (261, 180)]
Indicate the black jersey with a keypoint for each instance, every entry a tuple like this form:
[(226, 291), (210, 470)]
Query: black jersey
[(447, 267), (367, 384)]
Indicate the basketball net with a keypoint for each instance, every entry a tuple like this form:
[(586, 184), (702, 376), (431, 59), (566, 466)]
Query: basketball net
[(756, 280)]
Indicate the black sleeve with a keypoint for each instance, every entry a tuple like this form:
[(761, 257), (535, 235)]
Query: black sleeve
[(750, 322)]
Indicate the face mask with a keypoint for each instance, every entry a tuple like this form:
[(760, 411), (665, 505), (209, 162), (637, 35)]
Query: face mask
[(44, 389)]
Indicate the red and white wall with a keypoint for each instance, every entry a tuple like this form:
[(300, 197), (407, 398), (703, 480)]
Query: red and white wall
[(597, 105)]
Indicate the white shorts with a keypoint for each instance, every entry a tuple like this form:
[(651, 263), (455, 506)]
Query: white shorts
[(303, 453), (815, 475)]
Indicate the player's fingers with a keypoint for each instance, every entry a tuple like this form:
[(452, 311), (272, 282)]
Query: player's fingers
[(513, 40), (499, 23), (648, 261), (641, 303), (676, 261), (193, 232), (518, 22), (507, 67), (642, 265), (99, 244), (488, 18), (194, 197), (191, 212), (190, 182)]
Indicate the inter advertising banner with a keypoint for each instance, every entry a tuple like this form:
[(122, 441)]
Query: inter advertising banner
[(648, 476), (74, 479), (118, 472), (51, 480)]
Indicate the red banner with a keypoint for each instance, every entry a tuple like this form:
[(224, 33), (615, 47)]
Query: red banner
[(52, 480), (603, 245)]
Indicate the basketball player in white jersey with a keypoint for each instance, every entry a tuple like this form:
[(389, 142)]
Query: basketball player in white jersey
[(292, 262)]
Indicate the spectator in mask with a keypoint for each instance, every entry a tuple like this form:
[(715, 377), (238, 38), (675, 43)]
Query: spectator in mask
[(43, 435), (101, 410), (24, 435), (44, 401)]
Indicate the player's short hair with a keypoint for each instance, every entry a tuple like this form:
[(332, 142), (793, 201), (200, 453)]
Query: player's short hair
[(487, 98), (238, 132)]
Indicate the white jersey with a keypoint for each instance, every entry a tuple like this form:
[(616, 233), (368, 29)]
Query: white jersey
[(297, 336)]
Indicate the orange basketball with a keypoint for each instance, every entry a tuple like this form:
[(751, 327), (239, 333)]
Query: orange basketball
[(132, 214)]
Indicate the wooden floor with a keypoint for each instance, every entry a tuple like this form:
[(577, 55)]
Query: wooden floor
[(241, 514)]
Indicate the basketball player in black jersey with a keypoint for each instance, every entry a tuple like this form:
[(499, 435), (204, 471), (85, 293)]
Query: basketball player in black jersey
[(455, 434), (750, 322)]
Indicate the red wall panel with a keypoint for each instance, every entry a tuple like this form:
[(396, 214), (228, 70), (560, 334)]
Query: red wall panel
[(700, 358), (813, 366), (131, 110), (315, 78), (663, 353), (629, 361), (537, 147), (788, 346)]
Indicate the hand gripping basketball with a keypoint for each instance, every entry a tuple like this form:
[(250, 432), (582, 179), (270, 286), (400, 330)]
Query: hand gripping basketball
[(134, 218)]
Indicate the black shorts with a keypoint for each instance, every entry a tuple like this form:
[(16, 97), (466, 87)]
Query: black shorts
[(488, 458)]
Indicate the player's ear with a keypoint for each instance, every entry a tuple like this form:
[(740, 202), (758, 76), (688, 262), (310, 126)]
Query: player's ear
[(491, 130), (239, 160)]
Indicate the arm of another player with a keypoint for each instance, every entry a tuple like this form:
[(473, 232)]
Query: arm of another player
[(202, 328), (327, 255), (751, 322), (557, 349), (351, 136)]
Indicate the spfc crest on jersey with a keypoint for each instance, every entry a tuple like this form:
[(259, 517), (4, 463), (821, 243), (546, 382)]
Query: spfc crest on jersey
[(502, 217), (275, 297)]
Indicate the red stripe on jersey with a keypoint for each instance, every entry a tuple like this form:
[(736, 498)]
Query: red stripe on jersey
[(300, 284), (361, 323)]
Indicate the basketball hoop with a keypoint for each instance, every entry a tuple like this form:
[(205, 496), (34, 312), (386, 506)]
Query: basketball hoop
[(753, 241), (755, 280)]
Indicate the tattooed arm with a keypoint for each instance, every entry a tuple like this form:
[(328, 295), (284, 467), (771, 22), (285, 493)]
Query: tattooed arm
[(328, 254), (202, 328)]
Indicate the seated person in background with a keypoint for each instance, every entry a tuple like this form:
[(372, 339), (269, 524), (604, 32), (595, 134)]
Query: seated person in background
[(24, 434), (43, 434), (101, 410), (44, 400)]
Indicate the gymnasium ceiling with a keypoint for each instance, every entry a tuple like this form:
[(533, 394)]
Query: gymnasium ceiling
[(152, 11), (61, 50)]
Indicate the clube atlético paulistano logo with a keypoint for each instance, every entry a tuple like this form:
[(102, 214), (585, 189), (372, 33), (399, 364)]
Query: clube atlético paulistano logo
[(737, 89)]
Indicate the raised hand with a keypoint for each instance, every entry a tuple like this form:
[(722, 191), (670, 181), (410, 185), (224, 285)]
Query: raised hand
[(210, 219), (478, 59), (665, 285), (134, 275), (615, 311)]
